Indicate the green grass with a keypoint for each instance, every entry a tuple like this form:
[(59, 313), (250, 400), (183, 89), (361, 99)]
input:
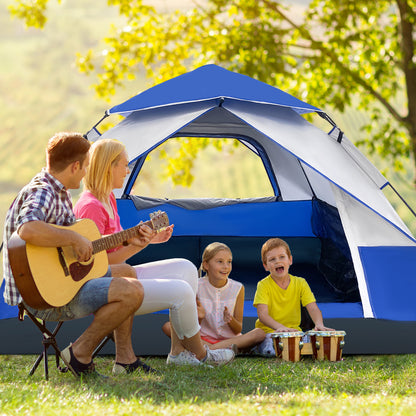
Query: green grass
[(359, 385)]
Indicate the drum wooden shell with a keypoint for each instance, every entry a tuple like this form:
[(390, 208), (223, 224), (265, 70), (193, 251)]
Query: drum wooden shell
[(327, 345), (288, 345)]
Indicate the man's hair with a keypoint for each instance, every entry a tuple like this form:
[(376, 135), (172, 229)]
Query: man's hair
[(104, 154), (271, 244), (65, 148)]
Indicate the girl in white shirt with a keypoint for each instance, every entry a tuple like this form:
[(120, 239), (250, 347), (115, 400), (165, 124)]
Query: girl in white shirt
[(221, 303)]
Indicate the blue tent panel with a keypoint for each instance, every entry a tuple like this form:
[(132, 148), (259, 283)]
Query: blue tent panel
[(7, 311), (329, 310), (391, 278), (253, 219), (211, 82)]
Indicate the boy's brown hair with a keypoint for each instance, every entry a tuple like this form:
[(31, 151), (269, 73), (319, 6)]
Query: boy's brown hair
[(272, 243)]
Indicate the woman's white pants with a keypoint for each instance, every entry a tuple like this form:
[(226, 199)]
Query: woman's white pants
[(171, 284)]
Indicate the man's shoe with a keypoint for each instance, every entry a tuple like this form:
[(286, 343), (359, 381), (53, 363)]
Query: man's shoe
[(77, 368), (218, 357), (183, 358), (137, 366)]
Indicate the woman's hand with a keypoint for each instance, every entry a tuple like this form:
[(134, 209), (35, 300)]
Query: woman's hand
[(146, 234), (163, 235)]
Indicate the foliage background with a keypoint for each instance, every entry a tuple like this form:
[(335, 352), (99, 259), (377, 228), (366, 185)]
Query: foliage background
[(42, 91)]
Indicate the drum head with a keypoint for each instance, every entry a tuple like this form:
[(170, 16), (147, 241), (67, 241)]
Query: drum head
[(287, 334), (326, 333)]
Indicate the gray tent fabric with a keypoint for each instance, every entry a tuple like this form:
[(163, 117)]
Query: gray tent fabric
[(142, 202)]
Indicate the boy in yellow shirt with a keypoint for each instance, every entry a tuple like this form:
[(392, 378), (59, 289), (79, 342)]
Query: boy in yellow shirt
[(279, 296)]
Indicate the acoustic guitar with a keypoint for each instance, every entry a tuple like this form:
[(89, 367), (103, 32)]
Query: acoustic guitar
[(49, 277)]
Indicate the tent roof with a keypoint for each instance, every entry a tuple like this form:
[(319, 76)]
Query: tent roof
[(219, 101), (297, 141), (211, 82)]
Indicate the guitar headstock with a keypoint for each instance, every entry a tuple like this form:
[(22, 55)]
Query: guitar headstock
[(159, 220)]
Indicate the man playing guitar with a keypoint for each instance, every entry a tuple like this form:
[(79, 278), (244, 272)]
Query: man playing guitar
[(46, 201)]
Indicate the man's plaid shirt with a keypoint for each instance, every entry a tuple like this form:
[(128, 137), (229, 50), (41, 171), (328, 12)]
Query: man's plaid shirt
[(43, 199)]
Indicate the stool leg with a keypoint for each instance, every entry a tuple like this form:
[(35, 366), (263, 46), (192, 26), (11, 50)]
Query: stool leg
[(36, 364), (101, 344), (48, 341), (45, 359)]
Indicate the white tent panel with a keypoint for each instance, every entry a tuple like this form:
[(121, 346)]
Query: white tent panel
[(343, 204), (363, 228), (361, 161), (290, 177), (316, 149), (366, 228), (321, 186), (143, 130)]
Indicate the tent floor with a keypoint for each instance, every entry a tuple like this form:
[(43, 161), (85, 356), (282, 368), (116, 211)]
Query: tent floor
[(363, 336)]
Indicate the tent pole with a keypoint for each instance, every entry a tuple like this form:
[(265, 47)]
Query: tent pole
[(106, 114), (333, 124), (327, 118), (402, 199), (307, 179)]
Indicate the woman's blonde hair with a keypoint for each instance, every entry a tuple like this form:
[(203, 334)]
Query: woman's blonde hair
[(104, 154), (210, 251)]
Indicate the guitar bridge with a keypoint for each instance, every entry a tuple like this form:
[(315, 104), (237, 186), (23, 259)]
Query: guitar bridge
[(62, 261)]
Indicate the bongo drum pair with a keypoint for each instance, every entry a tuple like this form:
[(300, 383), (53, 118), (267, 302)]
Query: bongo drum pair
[(324, 345)]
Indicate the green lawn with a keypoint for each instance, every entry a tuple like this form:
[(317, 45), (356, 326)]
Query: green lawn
[(359, 385)]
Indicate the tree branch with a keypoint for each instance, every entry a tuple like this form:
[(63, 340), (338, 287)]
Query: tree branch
[(408, 66), (318, 45)]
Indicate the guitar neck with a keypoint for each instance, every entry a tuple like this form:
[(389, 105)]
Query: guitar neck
[(117, 239)]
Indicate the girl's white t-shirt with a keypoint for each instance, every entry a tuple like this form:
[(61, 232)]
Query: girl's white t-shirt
[(214, 301)]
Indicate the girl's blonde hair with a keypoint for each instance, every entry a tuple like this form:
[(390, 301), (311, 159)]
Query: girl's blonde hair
[(104, 154), (210, 251)]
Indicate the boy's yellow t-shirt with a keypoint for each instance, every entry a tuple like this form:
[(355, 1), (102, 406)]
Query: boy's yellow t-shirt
[(283, 304)]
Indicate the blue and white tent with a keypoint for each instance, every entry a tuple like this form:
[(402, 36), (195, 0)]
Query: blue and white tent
[(347, 240)]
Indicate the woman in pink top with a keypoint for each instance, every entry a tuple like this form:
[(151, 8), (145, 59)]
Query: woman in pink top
[(168, 283)]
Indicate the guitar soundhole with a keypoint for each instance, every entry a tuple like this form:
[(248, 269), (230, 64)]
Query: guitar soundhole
[(78, 270)]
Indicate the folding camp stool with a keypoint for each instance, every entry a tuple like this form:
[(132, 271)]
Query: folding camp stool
[(49, 340)]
